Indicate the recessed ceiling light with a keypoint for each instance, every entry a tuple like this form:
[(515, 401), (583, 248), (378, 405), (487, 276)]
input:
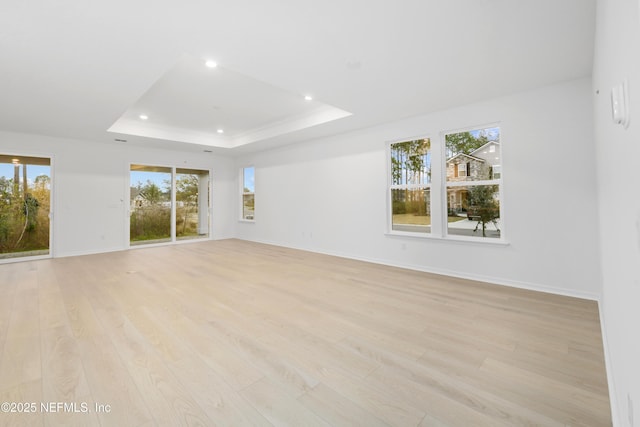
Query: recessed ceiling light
[(15, 161), (143, 117), (308, 98), (220, 131), (211, 64)]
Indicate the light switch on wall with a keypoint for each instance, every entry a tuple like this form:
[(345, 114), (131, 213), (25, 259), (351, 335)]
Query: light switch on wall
[(620, 104)]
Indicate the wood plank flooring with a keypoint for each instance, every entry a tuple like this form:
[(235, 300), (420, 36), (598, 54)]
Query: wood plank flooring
[(233, 333)]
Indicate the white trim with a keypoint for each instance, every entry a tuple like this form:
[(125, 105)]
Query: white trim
[(11, 260), (173, 237), (445, 272), (52, 205), (390, 186), (613, 400), (446, 184), (450, 238), (244, 193), (473, 183)]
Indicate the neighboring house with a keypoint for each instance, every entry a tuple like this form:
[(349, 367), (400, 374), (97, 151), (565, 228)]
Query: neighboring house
[(138, 202), (482, 164)]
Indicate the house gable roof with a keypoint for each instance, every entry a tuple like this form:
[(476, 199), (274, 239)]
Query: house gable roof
[(482, 147), (466, 155)]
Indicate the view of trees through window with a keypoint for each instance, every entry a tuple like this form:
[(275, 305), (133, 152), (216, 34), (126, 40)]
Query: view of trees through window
[(473, 170), (25, 200), (410, 185), (152, 207), (248, 193), (466, 192)]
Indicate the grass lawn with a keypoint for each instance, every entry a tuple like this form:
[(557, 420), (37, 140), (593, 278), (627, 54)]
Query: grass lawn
[(419, 220)]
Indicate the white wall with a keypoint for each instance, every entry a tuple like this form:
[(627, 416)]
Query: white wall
[(616, 59), (90, 188), (329, 195)]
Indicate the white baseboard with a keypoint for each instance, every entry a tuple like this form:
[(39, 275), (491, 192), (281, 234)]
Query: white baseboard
[(445, 272), (613, 400)]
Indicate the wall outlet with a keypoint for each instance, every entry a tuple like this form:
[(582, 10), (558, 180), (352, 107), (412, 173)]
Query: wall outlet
[(630, 409)]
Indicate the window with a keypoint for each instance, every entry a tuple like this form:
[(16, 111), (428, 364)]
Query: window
[(248, 193), (466, 185), (25, 200), (473, 196), (410, 190), (495, 172), (462, 169), (167, 204)]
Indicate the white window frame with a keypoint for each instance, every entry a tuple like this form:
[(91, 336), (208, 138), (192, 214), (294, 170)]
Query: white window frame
[(243, 193), (438, 189), (445, 185), (420, 186), (173, 239), (499, 171), (52, 199), (462, 169)]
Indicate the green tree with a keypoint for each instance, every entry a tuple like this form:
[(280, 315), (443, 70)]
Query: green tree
[(187, 193), (410, 165), (151, 192), (464, 142), (484, 206)]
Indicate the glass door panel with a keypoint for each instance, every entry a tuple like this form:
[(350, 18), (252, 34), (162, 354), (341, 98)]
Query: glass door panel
[(150, 204), (192, 204), (25, 202)]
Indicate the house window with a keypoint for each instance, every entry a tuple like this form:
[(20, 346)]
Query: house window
[(462, 169), (495, 171), (473, 207), (410, 185), (248, 193)]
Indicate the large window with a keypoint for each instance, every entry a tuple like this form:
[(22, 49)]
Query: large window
[(462, 190), (411, 185), (473, 182), (25, 200), (248, 193), (168, 204)]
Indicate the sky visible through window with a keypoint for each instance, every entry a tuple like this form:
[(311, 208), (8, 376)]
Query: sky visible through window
[(161, 179), (249, 179), (6, 170), (492, 134)]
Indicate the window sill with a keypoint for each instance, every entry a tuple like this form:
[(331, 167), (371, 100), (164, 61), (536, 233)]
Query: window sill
[(450, 238)]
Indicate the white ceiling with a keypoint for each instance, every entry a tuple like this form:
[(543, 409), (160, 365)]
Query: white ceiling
[(76, 68)]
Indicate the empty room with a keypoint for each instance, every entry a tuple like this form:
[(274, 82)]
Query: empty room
[(286, 213)]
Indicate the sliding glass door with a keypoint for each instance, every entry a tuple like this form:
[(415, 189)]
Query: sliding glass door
[(192, 203), (168, 204), (25, 201)]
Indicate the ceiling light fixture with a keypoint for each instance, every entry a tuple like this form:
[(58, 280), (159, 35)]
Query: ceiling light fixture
[(308, 98), (211, 64), (143, 117), (220, 131)]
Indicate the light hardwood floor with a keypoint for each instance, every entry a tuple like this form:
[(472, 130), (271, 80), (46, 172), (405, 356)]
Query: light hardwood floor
[(233, 333)]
